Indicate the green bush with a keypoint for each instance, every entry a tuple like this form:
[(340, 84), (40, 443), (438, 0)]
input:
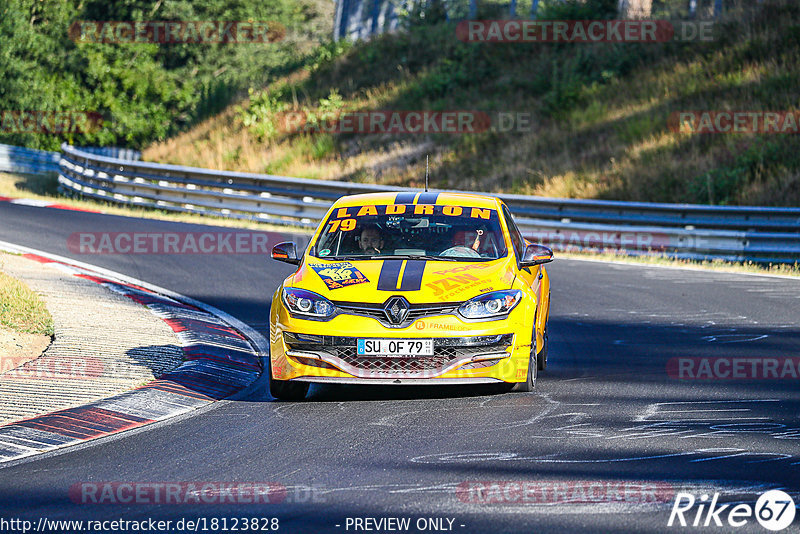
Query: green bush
[(261, 116), (144, 92), (756, 162)]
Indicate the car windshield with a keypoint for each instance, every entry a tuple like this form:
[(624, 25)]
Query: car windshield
[(438, 232)]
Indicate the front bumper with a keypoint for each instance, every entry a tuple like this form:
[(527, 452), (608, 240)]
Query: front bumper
[(399, 381), (464, 352), (449, 354)]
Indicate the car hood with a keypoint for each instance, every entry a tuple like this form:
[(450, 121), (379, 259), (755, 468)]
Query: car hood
[(419, 281)]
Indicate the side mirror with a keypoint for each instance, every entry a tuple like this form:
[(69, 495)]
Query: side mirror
[(285, 252), (536, 255)]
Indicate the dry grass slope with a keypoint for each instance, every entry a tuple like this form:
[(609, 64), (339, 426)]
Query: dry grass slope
[(600, 115)]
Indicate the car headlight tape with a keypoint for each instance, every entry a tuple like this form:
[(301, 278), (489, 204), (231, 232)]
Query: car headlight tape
[(306, 303), (494, 304)]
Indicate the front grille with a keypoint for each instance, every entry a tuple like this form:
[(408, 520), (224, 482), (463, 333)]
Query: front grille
[(416, 311), (340, 350)]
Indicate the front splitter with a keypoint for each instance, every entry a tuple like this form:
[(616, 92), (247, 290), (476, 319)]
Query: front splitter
[(397, 381)]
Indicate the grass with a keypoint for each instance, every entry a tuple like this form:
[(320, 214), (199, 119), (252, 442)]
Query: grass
[(21, 309), (600, 115)]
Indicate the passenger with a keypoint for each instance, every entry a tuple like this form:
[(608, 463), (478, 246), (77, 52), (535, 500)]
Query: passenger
[(471, 239)]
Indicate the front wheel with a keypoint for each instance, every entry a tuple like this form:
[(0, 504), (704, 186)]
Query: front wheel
[(530, 383), (542, 357), (286, 390)]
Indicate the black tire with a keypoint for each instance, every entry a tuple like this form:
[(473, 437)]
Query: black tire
[(286, 390), (530, 383), (541, 358)]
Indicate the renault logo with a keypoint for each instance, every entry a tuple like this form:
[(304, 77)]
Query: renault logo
[(396, 310)]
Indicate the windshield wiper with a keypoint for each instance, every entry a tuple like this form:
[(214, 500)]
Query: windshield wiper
[(412, 257), (348, 257), (354, 257)]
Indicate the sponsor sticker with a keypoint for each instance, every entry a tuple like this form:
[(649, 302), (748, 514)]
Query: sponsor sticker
[(434, 325), (452, 285), (341, 274)]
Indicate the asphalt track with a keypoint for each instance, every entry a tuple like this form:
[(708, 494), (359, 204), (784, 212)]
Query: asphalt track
[(606, 410)]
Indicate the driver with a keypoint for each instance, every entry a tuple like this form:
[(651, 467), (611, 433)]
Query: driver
[(371, 240)]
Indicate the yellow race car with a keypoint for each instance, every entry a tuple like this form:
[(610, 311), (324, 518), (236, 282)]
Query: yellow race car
[(411, 288)]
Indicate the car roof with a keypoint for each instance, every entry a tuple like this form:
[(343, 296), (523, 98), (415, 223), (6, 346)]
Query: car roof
[(453, 198)]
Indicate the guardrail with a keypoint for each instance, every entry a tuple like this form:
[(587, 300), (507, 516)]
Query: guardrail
[(113, 152), (28, 160), (31, 161), (680, 230)]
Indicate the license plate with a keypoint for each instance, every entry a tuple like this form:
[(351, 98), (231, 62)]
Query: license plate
[(395, 348)]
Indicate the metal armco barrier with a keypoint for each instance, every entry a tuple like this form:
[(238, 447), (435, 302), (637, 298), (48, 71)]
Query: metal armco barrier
[(680, 230), (113, 152), (675, 242), (28, 160), (32, 161)]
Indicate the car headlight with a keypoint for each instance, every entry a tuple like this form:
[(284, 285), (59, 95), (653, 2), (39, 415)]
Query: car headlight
[(494, 304), (308, 304)]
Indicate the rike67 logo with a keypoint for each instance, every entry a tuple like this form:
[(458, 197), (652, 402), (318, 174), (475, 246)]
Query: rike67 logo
[(774, 510)]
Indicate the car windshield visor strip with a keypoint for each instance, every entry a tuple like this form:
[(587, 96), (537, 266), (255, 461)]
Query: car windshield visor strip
[(399, 232)]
